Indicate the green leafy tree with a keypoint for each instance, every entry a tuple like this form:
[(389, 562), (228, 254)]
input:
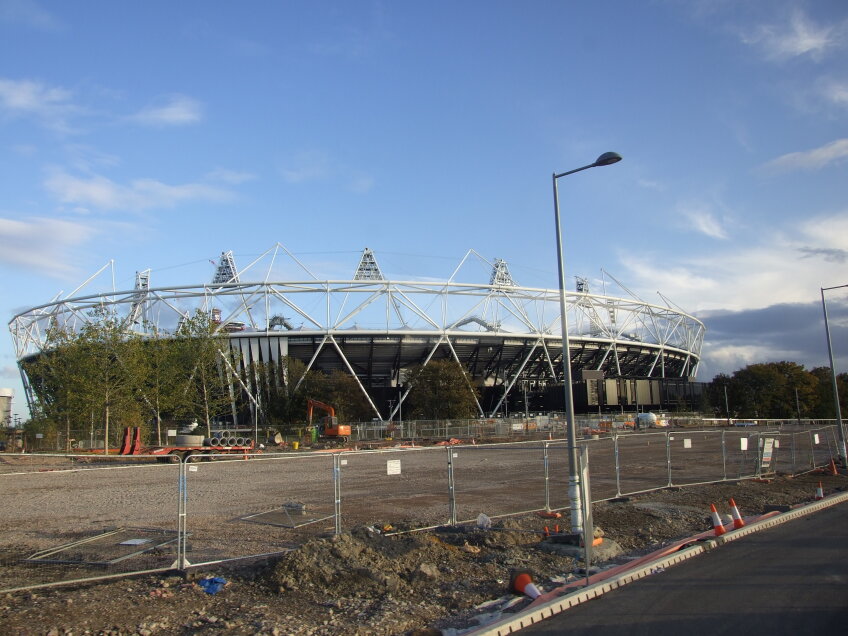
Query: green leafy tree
[(283, 389), (342, 391), (109, 361), (768, 390), (203, 352), (56, 378), (441, 390), (825, 406), (162, 377)]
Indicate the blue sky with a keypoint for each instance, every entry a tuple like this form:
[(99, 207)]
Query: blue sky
[(160, 134)]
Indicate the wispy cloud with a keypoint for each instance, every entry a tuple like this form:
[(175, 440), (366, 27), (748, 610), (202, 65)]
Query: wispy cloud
[(29, 13), (178, 110), (810, 159), (318, 166), (41, 244), (702, 220), (307, 166), (781, 265), (836, 92), (650, 184), (101, 193), (50, 105), (232, 177), (797, 38)]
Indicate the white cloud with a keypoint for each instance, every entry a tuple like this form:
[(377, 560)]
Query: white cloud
[(810, 159), (739, 356), (784, 265), (41, 244), (102, 193), (29, 13), (703, 221), (25, 150), (307, 166), (178, 111), (50, 105), (317, 166), (361, 184), (799, 37), (651, 185), (836, 92), (230, 176)]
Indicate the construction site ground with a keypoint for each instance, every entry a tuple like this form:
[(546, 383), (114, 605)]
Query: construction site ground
[(368, 582)]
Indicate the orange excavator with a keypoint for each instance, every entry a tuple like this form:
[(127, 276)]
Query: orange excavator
[(328, 426)]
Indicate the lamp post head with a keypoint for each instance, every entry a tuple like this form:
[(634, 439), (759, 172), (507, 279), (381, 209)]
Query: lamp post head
[(607, 159)]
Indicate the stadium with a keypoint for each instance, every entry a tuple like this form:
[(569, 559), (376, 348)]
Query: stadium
[(625, 353)]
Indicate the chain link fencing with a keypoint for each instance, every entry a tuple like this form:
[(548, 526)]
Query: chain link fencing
[(81, 517)]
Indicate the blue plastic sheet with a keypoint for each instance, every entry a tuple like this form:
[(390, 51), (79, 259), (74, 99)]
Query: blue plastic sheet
[(212, 585)]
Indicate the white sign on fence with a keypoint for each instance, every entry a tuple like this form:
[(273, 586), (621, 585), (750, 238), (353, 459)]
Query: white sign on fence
[(172, 432), (393, 467), (768, 446), (743, 443), (816, 438), (687, 443)]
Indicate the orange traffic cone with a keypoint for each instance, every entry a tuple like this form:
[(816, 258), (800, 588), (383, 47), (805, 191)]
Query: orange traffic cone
[(718, 526), (833, 471), (523, 584), (819, 492), (734, 512)]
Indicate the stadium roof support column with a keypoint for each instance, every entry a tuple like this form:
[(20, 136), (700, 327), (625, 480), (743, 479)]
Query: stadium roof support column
[(515, 377), (355, 377), (465, 375)]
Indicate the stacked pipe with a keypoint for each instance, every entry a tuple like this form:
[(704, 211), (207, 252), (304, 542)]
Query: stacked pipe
[(224, 438)]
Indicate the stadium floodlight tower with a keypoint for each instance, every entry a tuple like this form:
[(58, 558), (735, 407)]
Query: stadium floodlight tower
[(574, 485)]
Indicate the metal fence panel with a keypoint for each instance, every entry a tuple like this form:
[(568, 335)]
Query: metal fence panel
[(498, 479), (642, 461), (742, 453), (70, 518), (405, 488), (696, 457), (239, 506)]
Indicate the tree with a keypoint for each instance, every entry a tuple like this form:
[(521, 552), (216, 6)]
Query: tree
[(342, 391), (282, 389), (163, 376), (56, 380), (109, 365), (203, 352), (441, 390), (825, 408), (777, 390)]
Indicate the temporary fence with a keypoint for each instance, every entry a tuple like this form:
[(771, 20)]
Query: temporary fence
[(78, 517)]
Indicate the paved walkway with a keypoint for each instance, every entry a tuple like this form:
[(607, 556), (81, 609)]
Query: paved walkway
[(790, 579)]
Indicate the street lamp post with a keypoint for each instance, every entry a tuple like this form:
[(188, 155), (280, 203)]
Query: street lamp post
[(842, 449), (574, 496)]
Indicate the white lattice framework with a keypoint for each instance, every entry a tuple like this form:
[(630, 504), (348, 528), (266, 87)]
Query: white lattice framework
[(397, 323)]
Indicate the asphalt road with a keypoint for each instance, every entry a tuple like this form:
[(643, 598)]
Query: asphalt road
[(790, 579)]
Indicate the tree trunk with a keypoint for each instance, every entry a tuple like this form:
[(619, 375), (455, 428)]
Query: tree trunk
[(106, 433)]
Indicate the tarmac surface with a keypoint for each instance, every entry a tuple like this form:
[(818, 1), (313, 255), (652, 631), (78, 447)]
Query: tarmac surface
[(788, 579)]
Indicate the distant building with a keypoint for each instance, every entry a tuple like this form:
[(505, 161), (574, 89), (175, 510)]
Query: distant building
[(6, 396)]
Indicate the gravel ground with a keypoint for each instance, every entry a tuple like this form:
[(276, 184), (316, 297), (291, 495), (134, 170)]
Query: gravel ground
[(369, 582)]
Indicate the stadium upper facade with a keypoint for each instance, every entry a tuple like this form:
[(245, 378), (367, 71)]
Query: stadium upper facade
[(507, 337)]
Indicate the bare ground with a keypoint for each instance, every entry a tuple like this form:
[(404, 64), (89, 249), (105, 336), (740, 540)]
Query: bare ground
[(368, 582)]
